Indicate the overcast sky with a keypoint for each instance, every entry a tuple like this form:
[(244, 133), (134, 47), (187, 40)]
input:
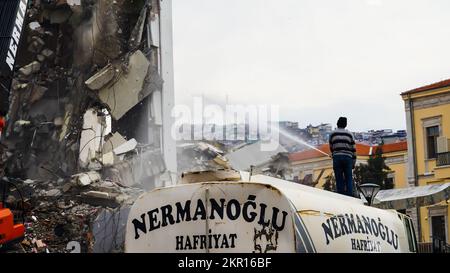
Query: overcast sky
[(316, 59)]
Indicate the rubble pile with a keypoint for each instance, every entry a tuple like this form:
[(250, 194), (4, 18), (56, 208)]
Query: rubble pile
[(54, 223), (59, 214), (201, 156)]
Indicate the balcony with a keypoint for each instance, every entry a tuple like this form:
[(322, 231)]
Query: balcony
[(443, 159)]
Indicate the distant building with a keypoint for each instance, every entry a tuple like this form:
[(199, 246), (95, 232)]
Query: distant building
[(288, 124), (313, 131), (394, 137), (375, 137), (289, 142), (325, 128)]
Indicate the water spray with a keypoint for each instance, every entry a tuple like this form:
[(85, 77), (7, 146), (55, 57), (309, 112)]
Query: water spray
[(297, 139)]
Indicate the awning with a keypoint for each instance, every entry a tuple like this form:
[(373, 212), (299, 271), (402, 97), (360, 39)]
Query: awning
[(411, 197)]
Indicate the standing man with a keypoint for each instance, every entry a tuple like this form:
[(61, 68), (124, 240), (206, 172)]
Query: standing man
[(342, 146)]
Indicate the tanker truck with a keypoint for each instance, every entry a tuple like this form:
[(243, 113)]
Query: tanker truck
[(261, 214)]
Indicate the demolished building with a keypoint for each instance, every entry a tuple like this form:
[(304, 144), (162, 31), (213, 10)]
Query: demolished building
[(89, 116)]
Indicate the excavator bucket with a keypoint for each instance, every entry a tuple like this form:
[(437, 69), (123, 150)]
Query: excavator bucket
[(9, 232)]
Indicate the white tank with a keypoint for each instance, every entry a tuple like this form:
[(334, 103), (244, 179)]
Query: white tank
[(263, 215)]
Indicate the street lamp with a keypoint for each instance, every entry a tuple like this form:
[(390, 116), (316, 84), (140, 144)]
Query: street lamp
[(369, 190)]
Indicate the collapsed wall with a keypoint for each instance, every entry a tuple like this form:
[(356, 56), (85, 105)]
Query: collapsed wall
[(84, 120)]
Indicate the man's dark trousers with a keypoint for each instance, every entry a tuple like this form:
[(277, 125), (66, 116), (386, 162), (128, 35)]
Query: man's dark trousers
[(342, 166)]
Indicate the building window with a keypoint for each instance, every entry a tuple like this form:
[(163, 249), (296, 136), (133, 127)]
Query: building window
[(431, 139), (389, 183)]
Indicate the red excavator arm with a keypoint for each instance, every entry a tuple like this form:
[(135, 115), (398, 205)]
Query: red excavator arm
[(9, 232)]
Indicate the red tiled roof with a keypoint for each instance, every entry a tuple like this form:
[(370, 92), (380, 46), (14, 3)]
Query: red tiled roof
[(395, 147), (311, 153), (435, 85), (361, 150)]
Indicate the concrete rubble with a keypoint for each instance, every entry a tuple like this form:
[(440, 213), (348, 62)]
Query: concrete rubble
[(101, 78), (85, 179), (85, 69), (201, 156), (30, 68), (125, 147), (57, 218), (207, 160)]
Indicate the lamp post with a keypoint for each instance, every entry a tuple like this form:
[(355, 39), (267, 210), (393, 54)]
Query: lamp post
[(369, 190)]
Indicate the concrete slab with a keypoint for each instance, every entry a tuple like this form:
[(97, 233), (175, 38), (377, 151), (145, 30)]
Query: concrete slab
[(101, 78), (126, 147), (85, 179), (113, 142), (125, 93)]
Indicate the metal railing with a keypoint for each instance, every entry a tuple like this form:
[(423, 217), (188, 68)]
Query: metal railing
[(440, 246), (443, 159), (435, 246), (425, 248)]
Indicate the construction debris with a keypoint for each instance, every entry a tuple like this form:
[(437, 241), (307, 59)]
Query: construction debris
[(130, 79), (85, 69), (113, 142), (37, 92), (47, 53), (201, 156), (52, 193), (101, 78), (30, 68), (55, 217), (85, 179), (126, 147), (34, 25), (136, 170), (96, 194), (74, 2)]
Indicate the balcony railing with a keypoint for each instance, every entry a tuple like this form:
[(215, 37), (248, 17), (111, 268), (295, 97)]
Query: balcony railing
[(425, 248), (443, 159), (435, 246)]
